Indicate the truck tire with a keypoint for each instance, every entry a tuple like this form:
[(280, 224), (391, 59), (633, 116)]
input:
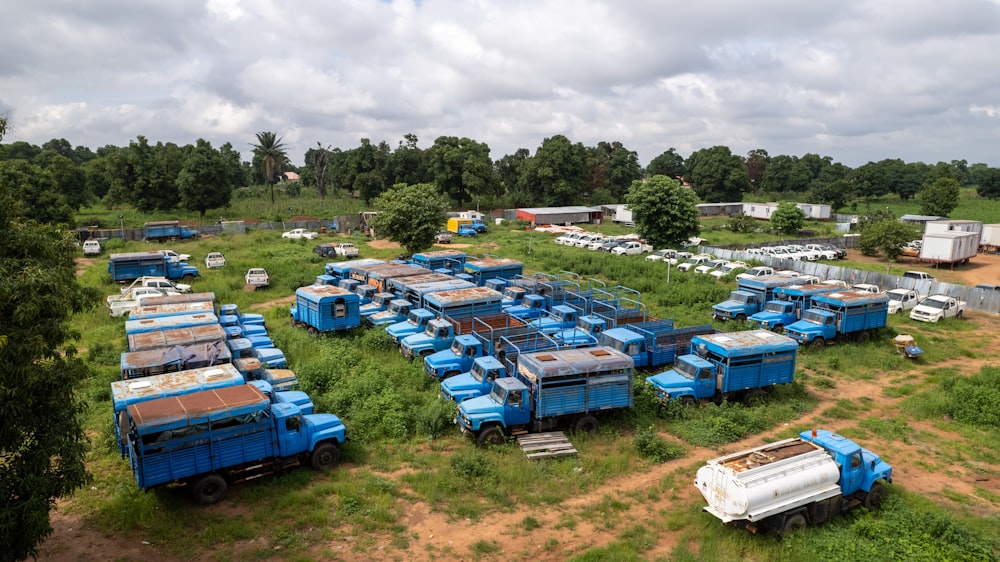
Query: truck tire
[(325, 456), (778, 329), (209, 489), (817, 344), (741, 317), (425, 353), (875, 496), (864, 337), (492, 435), (689, 401), (756, 397), (959, 315), (586, 424), (793, 524), (312, 331)]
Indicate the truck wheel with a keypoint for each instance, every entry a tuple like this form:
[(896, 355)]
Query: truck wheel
[(312, 331), (875, 496), (959, 315), (817, 344), (793, 524), (425, 353), (688, 401), (756, 397), (490, 436), (741, 317), (864, 337), (778, 329), (210, 489), (325, 456), (586, 424)]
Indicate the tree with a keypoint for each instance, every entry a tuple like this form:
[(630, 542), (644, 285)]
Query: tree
[(833, 193), (717, 175), (203, 182), (756, 163), (69, 178), (318, 164), (271, 153), (668, 164), (461, 167), (887, 236), (788, 218), (786, 174), (508, 171), (939, 197), (665, 213), (36, 191), (555, 174), (410, 215), (42, 442), (989, 183), (741, 223)]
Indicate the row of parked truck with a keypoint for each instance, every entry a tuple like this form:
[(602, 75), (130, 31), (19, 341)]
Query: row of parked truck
[(203, 400)]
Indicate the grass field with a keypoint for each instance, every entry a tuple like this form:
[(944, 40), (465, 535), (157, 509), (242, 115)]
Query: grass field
[(626, 496)]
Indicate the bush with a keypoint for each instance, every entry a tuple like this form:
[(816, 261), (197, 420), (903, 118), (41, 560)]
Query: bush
[(655, 448), (473, 464), (434, 417)]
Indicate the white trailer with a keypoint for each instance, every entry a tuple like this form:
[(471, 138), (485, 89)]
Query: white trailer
[(989, 240), (934, 227), (954, 247)]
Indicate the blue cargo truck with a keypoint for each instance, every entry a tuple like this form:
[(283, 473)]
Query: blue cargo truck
[(750, 296), (487, 268), (379, 276), (322, 308), (415, 323), (133, 265), (654, 343), (161, 231), (379, 302), (843, 315), (788, 305), (452, 261), (504, 351), (416, 292), (211, 439), (560, 317), (474, 337), (396, 311), (551, 389), (137, 364), (179, 336), (342, 270), (728, 366), (177, 309), (449, 306), (252, 370), (169, 323), (399, 285), (476, 382)]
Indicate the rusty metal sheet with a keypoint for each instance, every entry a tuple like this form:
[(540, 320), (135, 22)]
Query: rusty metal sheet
[(483, 263), (177, 336), (169, 384), (323, 291), (444, 299), (541, 364), (176, 299), (451, 254), (147, 311), (749, 339), (197, 407)]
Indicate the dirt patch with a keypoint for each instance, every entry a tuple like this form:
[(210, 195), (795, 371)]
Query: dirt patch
[(83, 264), (384, 245)]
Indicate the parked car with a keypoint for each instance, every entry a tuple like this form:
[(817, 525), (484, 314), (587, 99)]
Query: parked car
[(988, 287), (326, 250), (866, 287), (569, 238), (660, 255), (919, 275), (728, 269), (937, 307), (297, 233), (442, 237), (91, 247), (756, 271), (835, 283), (596, 244), (632, 248), (257, 277), (215, 260), (710, 265), (901, 300), (166, 286), (679, 257), (609, 245), (694, 261), (174, 256)]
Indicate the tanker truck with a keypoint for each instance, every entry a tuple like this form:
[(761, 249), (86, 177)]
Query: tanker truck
[(784, 487)]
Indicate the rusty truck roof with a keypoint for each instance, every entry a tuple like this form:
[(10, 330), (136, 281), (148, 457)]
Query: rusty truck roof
[(174, 412), (492, 262), (551, 363), (143, 389), (323, 291), (441, 254), (748, 341), (445, 299)]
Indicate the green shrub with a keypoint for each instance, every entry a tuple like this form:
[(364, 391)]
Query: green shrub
[(655, 448), (435, 417), (474, 464)]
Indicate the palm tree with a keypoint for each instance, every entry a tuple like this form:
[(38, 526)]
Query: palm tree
[(271, 153)]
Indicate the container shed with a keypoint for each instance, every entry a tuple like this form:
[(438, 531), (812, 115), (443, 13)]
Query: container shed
[(561, 215)]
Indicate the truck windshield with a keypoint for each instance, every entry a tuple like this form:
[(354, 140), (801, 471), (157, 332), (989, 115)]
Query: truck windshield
[(738, 296), (686, 369), (478, 372), (394, 307), (777, 307), (813, 317), (413, 319), (610, 342), (931, 303), (458, 348), (497, 394), (430, 330)]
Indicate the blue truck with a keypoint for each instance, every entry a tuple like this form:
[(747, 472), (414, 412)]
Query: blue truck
[(503, 351), (245, 318), (400, 285), (137, 364), (653, 343), (379, 276), (788, 304), (171, 337), (450, 261), (728, 366), (847, 315), (415, 323), (133, 265), (211, 439), (786, 486), (487, 268), (379, 302), (476, 382), (474, 337), (415, 292), (449, 308), (342, 270), (321, 309), (551, 389), (750, 296), (560, 317), (169, 323), (396, 311), (252, 370), (161, 231)]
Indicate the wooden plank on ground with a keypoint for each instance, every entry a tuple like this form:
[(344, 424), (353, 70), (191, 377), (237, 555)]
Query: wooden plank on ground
[(545, 445)]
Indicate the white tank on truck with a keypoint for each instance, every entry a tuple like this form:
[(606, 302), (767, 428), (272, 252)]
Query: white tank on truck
[(788, 485)]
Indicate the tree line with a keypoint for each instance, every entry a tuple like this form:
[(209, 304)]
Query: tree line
[(56, 179)]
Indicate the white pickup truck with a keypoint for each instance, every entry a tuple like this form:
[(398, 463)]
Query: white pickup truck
[(174, 256), (347, 250), (936, 307), (167, 286), (631, 249), (257, 277), (125, 303), (902, 300), (215, 260)]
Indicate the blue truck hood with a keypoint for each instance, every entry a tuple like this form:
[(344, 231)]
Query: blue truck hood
[(460, 386), (419, 340), (730, 306), (479, 406), (441, 358), (670, 380)]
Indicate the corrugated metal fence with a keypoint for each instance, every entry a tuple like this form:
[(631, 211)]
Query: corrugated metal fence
[(984, 300)]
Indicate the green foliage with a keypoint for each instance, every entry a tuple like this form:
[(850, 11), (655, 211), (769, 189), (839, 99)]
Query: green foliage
[(887, 236), (969, 400), (461, 167), (741, 223), (989, 183), (788, 218), (664, 212), (940, 197), (203, 181), (717, 175), (474, 464), (655, 448), (410, 215), (269, 153), (435, 417), (42, 443)]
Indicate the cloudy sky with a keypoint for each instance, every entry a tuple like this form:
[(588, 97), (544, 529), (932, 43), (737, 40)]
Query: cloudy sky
[(854, 80)]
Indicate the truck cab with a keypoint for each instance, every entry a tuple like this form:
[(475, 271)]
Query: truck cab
[(396, 311), (506, 405), (561, 317), (379, 302), (815, 323), (692, 378), (499, 285), (740, 305), (474, 383), (531, 307), (512, 296), (415, 322), (437, 335), (775, 316), (365, 293), (444, 364), (588, 328)]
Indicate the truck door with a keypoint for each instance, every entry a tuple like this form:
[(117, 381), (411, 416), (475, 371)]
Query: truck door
[(852, 474), (291, 436), (704, 384), (516, 408)]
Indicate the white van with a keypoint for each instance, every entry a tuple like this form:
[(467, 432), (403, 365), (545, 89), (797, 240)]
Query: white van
[(91, 247)]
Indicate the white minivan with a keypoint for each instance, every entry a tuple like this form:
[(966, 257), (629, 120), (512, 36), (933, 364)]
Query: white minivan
[(91, 247)]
